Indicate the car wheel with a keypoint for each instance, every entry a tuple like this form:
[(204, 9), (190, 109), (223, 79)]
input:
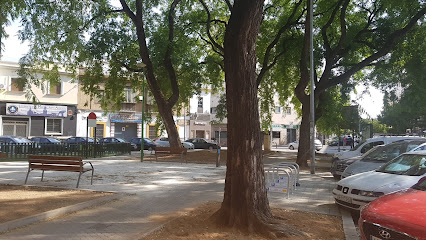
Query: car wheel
[(210, 148), (150, 149), (291, 147)]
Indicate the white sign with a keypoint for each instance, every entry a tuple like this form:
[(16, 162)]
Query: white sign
[(91, 122), (36, 110)]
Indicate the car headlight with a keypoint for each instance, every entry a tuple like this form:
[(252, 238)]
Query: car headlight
[(370, 193)]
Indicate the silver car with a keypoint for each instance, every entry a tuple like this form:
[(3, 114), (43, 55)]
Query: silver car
[(400, 173), (381, 156), (164, 142)]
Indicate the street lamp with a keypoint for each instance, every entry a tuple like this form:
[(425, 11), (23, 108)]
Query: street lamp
[(141, 65)]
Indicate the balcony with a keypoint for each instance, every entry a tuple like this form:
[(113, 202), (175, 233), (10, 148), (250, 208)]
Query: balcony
[(128, 107)]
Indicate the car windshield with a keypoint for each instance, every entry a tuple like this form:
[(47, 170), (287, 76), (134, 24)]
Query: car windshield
[(52, 140), (407, 164), (22, 140), (121, 140), (421, 185), (386, 153), (148, 140)]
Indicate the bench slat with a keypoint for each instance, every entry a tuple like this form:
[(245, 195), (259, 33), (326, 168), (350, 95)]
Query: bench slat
[(55, 162), (56, 168)]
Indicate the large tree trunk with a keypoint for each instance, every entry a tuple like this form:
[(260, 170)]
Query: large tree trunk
[(245, 205), (304, 152), (166, 113)]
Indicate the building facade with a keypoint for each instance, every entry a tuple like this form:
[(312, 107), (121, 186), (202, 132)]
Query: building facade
[(53, 115)]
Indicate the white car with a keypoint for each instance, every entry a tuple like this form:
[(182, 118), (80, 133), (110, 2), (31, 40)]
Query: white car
[(164, 142), (295, 145), (400, 173)]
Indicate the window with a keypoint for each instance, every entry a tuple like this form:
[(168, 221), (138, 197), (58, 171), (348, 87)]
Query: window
[(129, 95), (213, 110), (200, 105), (288, 111), (16, 85), (276, 134), (223, 134), (277, 109), (55, 88), (53, 126)]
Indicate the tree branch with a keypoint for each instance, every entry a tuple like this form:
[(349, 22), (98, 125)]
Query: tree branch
[(208, 25), (274, 42), (167, 58)]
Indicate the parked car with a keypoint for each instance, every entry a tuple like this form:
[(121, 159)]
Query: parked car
[(363, 147), (116, 140), (400, 173), (148, 144), (400, 215), (341, 142), (13, 139), (200, 143), (79, 140), (11, 144), (381, 156), (45, 140), (339, 165), (295, 145), (164, 142)]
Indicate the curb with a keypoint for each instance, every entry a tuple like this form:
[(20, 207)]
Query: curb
[(7, 226), (349, 226)]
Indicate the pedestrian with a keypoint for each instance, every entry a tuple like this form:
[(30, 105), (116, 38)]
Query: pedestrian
[(344, 140)]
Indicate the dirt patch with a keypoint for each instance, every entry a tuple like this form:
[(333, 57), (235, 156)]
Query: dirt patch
[(197, 224), (23, 201)]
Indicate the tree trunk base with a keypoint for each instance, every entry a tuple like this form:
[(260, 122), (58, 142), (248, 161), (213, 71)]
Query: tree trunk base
[(269, 227)]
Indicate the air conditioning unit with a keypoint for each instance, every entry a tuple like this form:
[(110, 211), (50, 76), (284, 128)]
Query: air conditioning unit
[(2, 86)]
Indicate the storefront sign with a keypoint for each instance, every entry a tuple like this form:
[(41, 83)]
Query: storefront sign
[(129, 118), (36, 110)]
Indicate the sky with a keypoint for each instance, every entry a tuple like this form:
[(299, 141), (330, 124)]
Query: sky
[(368, 98)]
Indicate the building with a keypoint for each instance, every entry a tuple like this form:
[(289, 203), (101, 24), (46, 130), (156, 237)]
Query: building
[(53, 115)]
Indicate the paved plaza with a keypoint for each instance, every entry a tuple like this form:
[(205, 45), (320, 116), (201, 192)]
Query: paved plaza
[(148, 190)]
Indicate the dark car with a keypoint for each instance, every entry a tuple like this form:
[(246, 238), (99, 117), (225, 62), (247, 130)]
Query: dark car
[(148, 144), (79, 140), (116, 140), (13, 139), (337, 142), (45, 140), (200, 143), (47, 144), (14, 144)]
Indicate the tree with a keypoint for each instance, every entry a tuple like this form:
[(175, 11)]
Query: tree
[(115, 41), (9, 11), (353, 35)]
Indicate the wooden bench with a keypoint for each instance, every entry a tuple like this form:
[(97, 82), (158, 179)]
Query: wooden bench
[(170, 151), (58, 163)]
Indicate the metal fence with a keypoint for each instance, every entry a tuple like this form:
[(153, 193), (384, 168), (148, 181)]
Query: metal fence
[(18, 151)]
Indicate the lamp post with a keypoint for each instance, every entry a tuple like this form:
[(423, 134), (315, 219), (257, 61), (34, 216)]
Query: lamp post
[(141, 65)]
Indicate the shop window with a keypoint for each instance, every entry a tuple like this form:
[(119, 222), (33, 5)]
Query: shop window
[(16, 85), (53, 126), (276, 134)]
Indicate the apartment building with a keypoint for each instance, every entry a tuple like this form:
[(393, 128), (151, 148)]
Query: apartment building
[(53, 115)]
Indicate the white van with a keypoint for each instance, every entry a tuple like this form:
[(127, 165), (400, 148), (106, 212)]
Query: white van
[(363, 147)]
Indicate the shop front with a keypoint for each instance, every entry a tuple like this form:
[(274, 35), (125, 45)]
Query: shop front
[(26, 120)]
